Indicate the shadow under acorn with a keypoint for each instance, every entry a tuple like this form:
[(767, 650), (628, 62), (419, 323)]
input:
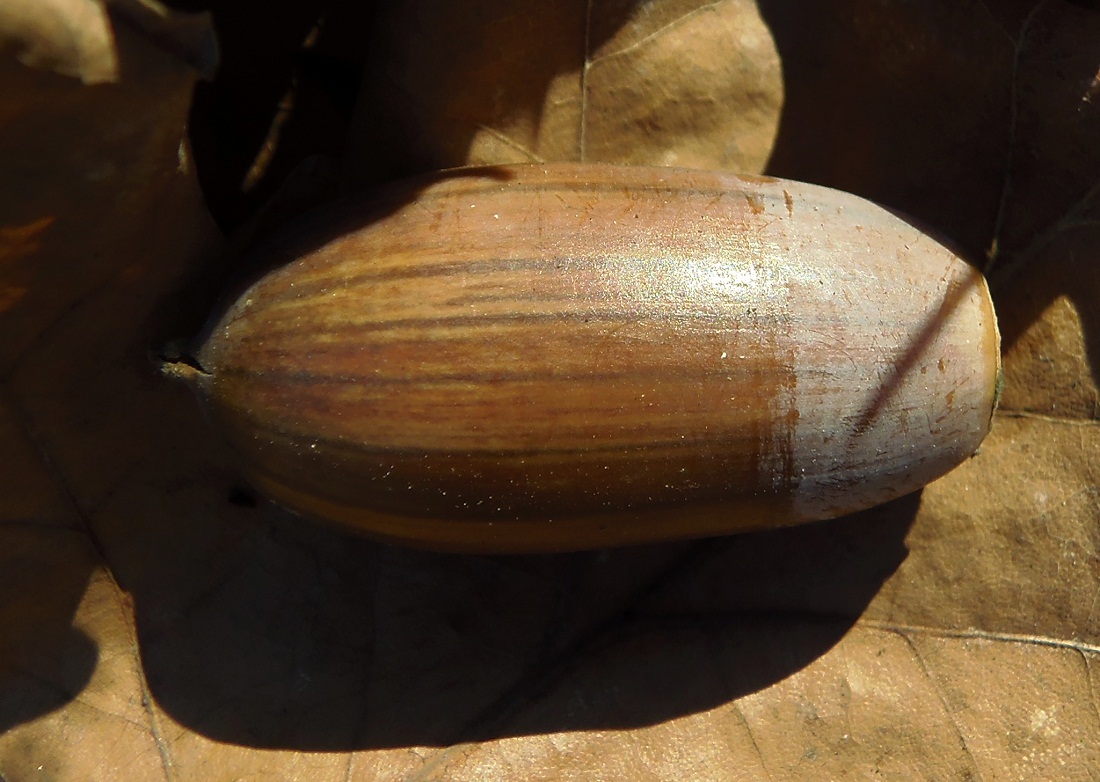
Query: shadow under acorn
[(323, 641), (45, 662)]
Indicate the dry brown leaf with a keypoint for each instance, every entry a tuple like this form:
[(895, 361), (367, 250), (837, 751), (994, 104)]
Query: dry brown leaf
[(158, 622), (69, 37), (679, 82)]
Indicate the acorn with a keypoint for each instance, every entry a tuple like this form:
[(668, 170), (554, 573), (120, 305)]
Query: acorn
[(569, 356)]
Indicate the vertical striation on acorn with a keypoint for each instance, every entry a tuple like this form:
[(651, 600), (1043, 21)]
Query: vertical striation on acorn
[(567, 356)]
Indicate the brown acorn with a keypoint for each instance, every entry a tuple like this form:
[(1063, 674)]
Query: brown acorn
[(555, 357)]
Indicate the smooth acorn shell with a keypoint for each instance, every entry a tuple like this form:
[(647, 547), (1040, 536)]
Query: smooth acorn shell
[(539, 358)]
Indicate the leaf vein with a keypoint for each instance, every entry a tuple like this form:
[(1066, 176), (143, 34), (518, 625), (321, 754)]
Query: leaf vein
[(993, 253), (934, 684), (658, 32), (982, 635)]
